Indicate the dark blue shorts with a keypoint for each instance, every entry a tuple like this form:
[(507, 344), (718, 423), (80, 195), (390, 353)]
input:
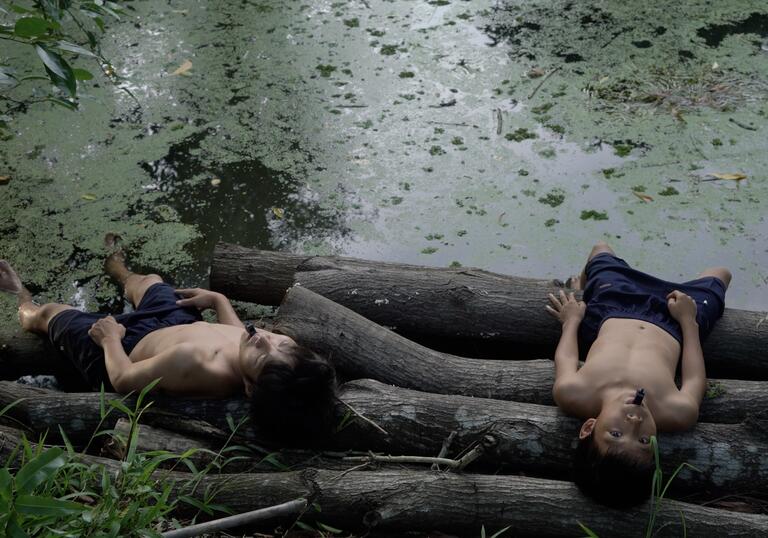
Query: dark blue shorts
[(68, 330), (615, 290)]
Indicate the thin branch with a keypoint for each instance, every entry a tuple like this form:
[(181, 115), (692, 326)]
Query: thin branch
[(279, 510), (369, 421), (427, 460), (543, 80), (444, 449)]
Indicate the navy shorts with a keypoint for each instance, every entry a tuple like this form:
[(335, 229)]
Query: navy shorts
[(615, 290), (68, 330)]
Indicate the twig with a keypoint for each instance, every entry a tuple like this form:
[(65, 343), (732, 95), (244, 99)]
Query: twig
[(279, 510), (498, 121), (742, 125), (453, 464), (447, 123), (369, 421), (543, 80), (444, 450), (469, 457), (614, 36), (355, 468), (698, 149), (350, 106)]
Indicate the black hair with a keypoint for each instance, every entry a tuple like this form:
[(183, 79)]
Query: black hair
[(614, 478), (295, 403)]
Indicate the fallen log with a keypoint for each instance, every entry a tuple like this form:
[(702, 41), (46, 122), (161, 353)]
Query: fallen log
[(23, 353), (400, 501), (539, 440), (360, 348), (461, 303), (524, 437)]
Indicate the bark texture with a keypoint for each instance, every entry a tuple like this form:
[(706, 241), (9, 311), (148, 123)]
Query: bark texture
[(454, 303), (402, 500), (539, 440), (360, 348), (531, 438)]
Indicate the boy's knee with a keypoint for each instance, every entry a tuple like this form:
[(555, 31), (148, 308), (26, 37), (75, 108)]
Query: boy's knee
[(599, 248), (723, 273)]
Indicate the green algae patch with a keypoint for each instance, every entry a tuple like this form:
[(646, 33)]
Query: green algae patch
[(429, 250), (407, 74), (521, 134), (669, 191), (591, 214), (553, 198), (352, 23), (436, 150), (326, 70)]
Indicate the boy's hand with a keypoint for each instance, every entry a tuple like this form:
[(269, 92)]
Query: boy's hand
[(106, 328), (198, 298), (681, 306), (566, 308)]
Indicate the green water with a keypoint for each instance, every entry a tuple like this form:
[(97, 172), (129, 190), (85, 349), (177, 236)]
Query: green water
[(405, 131)]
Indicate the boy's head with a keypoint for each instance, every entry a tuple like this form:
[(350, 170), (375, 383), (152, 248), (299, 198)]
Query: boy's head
[(614, 461), (292, 388)]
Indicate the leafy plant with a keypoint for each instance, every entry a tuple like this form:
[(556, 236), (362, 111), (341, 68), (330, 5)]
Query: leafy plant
[(59, 31), (56, 492)]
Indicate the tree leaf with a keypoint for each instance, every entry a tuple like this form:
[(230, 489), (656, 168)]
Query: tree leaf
[(42, 506), (183, 68), (39, 469), (644, 197), (72, 47), (82, 74), (56, 65), (63, 102), (6, 78), (31, 27), (736, 176)]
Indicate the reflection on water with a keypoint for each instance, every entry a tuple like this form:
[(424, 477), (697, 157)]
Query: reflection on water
[(242, 202)]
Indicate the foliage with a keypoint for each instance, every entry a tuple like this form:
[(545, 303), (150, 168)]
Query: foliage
[(59, 31), (52, 491), (657, 494)]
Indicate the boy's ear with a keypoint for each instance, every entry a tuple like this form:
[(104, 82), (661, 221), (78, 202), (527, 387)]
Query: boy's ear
[(587, 428)]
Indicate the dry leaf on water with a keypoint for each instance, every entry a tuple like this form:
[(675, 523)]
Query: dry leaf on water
[(4, 180), (89, 197), (183, 68), (536, 72), (278, 212), (734, 176), (215, 182), (644, 197)]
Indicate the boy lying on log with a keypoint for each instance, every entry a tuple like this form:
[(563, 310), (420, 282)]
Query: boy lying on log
[(292, 389), (635, 326)]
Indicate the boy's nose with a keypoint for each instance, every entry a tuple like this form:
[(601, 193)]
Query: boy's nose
[(632, 417)]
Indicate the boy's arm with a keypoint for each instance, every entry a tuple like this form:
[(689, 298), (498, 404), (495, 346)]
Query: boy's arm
[(569, 312), (203, 299), (684, 411), (175, 365)]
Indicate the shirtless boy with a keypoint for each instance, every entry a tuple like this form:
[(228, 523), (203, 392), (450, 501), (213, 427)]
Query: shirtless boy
[(291, 388), (636, 327)]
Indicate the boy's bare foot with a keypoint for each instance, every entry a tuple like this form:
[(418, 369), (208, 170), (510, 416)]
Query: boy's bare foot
[(573, 282), (9, 280), (11, 283), (114, 265)]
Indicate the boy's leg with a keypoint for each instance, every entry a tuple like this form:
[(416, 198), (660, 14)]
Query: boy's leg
[(134, 284), (579, 281), (720, 272), (33, 317)]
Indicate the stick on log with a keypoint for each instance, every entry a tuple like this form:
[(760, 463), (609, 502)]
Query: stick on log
[(453, 303)]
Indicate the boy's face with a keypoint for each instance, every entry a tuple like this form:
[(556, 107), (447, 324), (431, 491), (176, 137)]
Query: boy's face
[(258, 350), (624, 427)]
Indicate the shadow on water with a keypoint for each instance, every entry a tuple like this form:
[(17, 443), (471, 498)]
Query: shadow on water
[(242, 202), (756, 23)]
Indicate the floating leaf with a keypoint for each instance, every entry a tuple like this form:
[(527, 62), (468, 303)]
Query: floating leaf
[(736, 176), (88, 196), (278, 212), (4, 180), (215, 182), (536, 72), (644, 197), (183, 68)]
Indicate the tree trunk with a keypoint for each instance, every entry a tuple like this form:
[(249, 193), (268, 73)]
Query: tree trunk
[(403, 500), (23, 353), (454, 303), (538, 439), (523, 437), (360, 348)]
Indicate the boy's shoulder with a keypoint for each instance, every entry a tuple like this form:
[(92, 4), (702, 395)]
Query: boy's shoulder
[(574, 396)]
